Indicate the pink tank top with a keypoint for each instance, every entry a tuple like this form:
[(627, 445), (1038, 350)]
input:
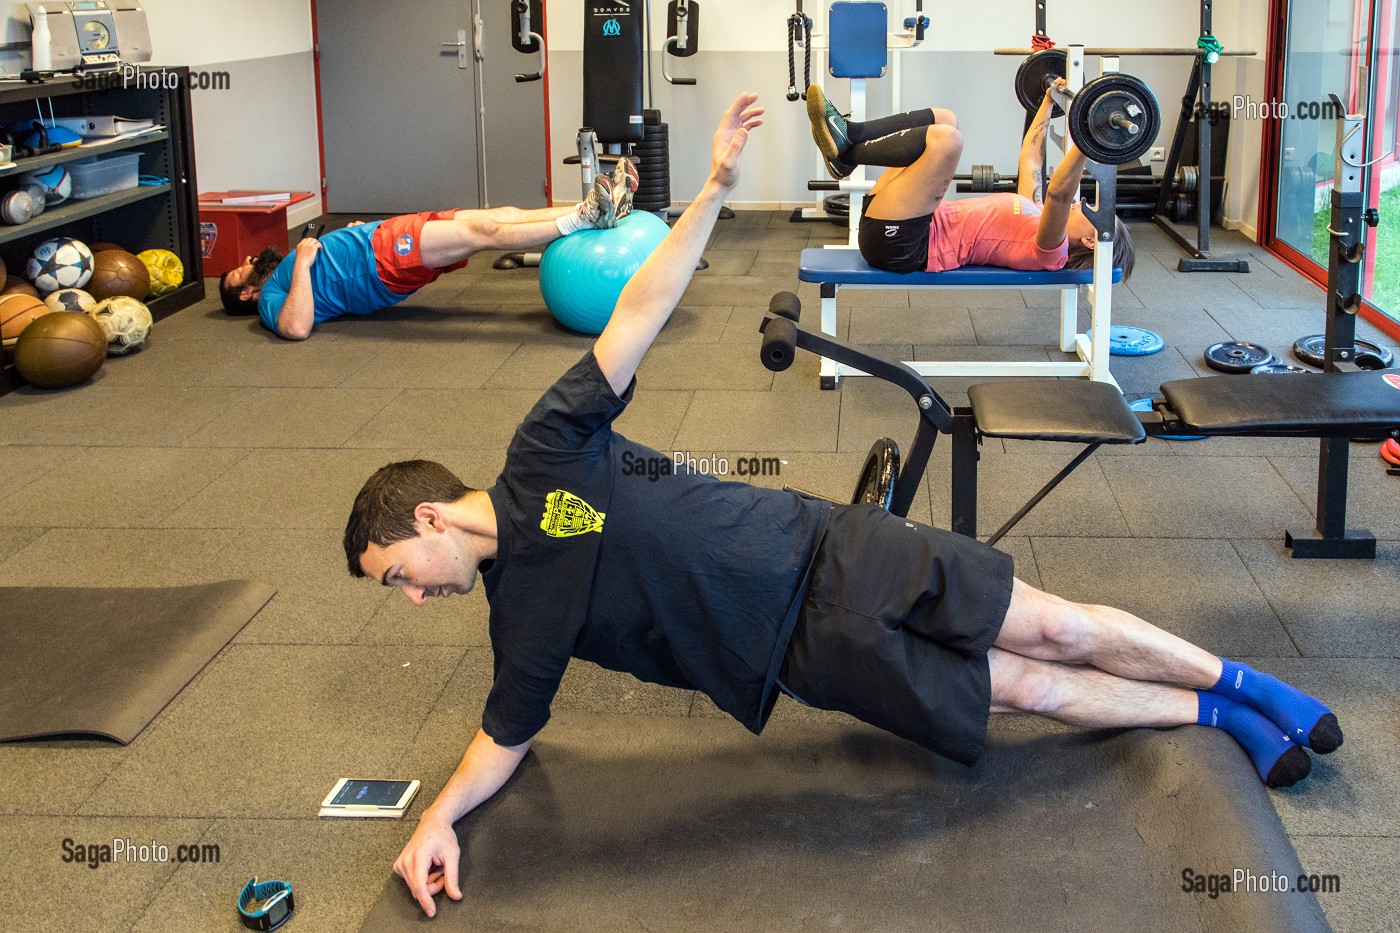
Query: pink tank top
[(994, 230)]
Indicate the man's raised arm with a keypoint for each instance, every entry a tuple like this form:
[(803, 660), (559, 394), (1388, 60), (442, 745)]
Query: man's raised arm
[(649, 298)]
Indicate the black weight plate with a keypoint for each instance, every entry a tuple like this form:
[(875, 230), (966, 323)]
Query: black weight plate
[(1236, 356), (837, 205), (1310, 349), (1035, 71), (1278, 369), (1095, 105), (878, 476)]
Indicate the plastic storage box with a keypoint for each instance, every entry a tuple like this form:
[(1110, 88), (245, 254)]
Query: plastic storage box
[(95, 177)]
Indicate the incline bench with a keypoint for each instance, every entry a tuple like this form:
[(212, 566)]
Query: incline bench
[(835, 269)]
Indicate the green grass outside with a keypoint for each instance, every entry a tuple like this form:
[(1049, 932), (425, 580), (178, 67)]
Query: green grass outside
[(1385, 289)]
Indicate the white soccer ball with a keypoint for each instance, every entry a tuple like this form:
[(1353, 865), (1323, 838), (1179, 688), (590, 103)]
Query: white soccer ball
[(55, 183), (125, 321), (71, 299), (62, 262)]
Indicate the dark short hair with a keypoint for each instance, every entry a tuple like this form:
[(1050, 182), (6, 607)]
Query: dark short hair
[(383, 510), (1124, 255), (233, 304)]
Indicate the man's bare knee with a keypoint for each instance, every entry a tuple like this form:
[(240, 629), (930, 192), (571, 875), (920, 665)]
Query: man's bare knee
[(483, 230), (944, 117), (1024, 685), (1065, 628)]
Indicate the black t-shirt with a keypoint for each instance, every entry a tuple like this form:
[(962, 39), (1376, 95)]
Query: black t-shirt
[(673, 577)]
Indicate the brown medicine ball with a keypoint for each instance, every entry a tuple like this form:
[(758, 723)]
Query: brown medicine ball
[(19, 286), (116, 272), (16, 313), (60, 349), (96, 248)]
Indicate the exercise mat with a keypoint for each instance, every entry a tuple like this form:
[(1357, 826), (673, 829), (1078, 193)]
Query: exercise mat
[(676, 824), (106, 661)]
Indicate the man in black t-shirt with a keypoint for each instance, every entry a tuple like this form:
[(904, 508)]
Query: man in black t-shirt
[(741, 592)]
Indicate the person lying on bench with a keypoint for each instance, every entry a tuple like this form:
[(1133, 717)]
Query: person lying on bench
[(907, 226), (366, 267), (741, 592)]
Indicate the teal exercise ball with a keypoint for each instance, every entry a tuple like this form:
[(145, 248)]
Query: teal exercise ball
[(582, 274)]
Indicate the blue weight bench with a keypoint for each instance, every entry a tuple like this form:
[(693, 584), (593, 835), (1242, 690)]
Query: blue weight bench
[(835, 269)]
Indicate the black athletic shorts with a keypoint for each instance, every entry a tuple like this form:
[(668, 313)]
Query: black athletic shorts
[(894, 245), (895, 627)]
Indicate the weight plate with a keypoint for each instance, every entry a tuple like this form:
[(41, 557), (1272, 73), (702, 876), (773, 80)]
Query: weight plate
[(878, 476), (1310, 349), (837, 205), (1033, 75), (1273, 369), (1236, 356), (1099, 103), (1390, 452), (1145, 404), (1133, 341)]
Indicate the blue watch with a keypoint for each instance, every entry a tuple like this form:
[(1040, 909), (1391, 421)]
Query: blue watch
[(265, 906)]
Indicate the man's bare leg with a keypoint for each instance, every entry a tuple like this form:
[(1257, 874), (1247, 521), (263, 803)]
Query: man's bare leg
[(1088, 697), (1133, 661), (1044, 626), (516, 215), (1085, 696), (445, 242)]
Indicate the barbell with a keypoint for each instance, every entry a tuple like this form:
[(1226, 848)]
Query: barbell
[(1113, 119)]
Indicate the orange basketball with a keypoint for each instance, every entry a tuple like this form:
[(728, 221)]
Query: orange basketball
[(60, 349), (16, 313), (116, 272)]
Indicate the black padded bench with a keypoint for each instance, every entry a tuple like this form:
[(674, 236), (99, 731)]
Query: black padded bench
[(1334, 405)]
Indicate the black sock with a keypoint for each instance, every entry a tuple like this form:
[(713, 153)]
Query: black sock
[(897, 149), (884, 126)]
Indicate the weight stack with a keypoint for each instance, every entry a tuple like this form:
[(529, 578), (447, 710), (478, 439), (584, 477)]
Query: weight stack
[(653, 164)]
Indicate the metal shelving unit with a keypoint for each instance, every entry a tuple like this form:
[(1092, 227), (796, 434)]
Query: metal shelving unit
[(163, 216)]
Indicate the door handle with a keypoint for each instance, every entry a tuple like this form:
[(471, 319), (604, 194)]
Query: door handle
[(461, 46)]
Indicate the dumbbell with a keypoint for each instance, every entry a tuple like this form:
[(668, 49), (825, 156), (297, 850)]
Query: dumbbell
[(1113, 119)]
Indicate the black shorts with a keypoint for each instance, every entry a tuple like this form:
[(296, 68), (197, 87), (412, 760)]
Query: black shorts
[(895, 627), (894, 245)]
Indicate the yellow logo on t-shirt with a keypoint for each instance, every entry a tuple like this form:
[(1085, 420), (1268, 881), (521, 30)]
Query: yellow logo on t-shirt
[(566, 515)]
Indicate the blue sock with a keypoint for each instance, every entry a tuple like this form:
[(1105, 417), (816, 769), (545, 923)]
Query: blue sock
[(1307, 722), (1279, 762)]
